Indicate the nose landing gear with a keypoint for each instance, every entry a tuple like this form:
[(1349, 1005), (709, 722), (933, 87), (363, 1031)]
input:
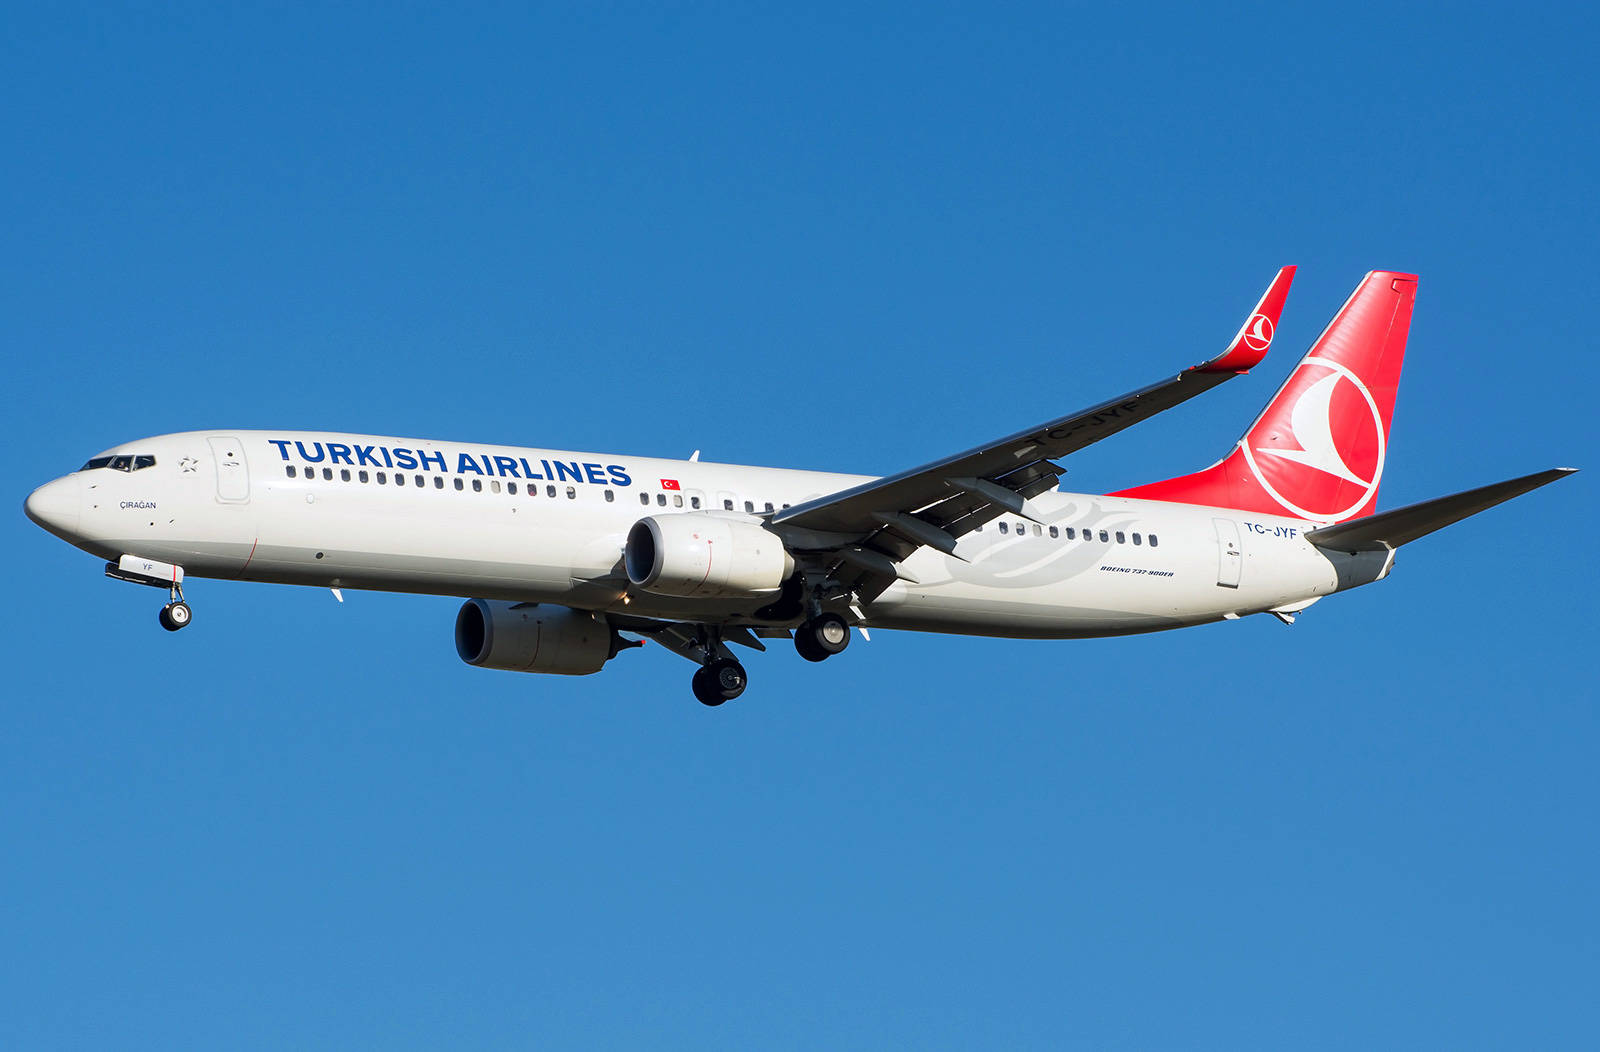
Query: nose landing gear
[(138, 570), (176, 614)]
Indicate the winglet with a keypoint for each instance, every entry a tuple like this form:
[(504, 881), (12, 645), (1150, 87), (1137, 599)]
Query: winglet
[(1254, 338)]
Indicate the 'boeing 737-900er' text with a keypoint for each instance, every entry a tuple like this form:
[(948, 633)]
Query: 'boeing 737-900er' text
[(571, 558)]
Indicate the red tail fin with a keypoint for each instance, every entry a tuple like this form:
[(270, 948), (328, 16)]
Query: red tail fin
[(1317, 452)]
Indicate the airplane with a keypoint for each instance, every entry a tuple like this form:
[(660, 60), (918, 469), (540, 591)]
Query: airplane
[(566, 559)]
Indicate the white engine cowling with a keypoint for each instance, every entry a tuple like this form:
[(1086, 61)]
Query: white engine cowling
[(533, 637), (705, 557)]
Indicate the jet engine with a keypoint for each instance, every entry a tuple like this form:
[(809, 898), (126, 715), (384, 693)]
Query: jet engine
[(705, 557), (534, 637)]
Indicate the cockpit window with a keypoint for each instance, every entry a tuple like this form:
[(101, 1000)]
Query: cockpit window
[(121, 462)]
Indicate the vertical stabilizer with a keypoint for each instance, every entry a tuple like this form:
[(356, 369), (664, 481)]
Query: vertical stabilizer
[(1317, 451)]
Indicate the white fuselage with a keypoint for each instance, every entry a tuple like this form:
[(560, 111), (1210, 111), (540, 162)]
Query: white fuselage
[(540, 525)]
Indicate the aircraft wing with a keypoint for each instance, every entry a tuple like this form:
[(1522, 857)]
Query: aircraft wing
[(875, 525)]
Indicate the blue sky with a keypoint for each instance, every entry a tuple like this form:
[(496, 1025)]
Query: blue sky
[(840, 238)]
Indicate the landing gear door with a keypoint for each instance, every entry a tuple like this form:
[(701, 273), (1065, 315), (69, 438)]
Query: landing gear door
[(1230, 555), (233, 476)]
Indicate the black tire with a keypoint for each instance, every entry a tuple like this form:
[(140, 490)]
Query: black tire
[(727, 678), (175, 616), (830, 633), (705, 689), (806, 644)]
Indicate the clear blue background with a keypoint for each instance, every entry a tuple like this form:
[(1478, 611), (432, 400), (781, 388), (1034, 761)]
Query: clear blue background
[(845, 238)]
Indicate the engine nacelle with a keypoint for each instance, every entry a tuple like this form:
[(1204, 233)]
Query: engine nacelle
[(705, 557), (533, 637)]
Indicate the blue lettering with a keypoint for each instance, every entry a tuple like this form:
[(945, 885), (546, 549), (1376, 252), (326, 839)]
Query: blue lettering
[(282, 444), (466, 464), (529, 473), (547, 472), (568, 469), (405, 459), (386, 461), (301, 446), (364, 456), (507, 466), (594, 474), (619, 475), (436, 459), (339, 453)]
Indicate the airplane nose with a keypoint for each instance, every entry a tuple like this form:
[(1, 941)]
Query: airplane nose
[(57, 505)]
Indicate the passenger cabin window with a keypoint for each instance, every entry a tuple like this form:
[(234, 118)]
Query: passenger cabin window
[(572, 493), (511, 488), (1152, 540), (1004, 528), (677, 500), (1104, 537), (749, 506), (1072, 534), (290, 471), (344, 474), (1055, 531), (477, 485), (549, 491), (1121, 537), (727, 505), (661, 499), (610, 496), (1136, 540), (694, 502), (327, 474), (399, 479), (363, 475), (438, 482), (460, 485), (382, 478)]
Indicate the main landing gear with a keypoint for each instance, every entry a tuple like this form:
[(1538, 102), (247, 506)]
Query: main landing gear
[(822, 637), (721, 678), (718, 681)]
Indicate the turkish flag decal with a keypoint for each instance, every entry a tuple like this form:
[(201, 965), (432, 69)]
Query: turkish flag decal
[(669, 484)]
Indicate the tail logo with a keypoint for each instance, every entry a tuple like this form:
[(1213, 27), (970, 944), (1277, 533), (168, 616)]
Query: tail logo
[(1311, 422), (1258, 333)]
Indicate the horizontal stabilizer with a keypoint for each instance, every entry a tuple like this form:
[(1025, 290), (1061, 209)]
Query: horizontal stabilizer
[(1391, 529)]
